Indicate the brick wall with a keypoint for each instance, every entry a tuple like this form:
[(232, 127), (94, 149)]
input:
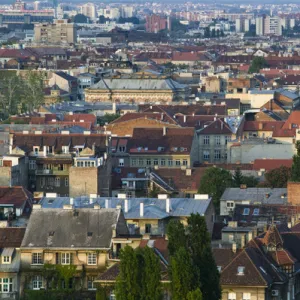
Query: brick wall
[(293, 193)]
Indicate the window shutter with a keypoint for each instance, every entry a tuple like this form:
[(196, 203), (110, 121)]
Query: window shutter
[(71, 259)]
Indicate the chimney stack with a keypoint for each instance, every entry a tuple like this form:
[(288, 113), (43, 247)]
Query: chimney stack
[(184, 118), (168, 205), (164, 131), (126, 205), (141, 209), (71, 201)]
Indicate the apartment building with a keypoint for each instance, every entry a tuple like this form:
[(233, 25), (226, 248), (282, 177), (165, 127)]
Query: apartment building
[(57, 33)]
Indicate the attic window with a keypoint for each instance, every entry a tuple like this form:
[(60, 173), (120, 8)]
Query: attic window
[(240, 270), (90, 233), (256, 212), (50, 201), (246, 212), (51, 233)]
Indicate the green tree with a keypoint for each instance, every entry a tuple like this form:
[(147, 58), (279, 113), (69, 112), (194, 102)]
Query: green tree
[(194, 295), (214, 182), (278, 178), (206, 274), (128, 280), (176, 236), (80, 18), (250, 181), (295, 173), (257, 64), (33, 91), (181, 274), (237, 177), (151, 285)]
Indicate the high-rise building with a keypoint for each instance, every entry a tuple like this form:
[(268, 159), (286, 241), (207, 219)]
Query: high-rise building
[(292, 23), (89, 10), (19, 5), (238, 25), (259, 22), (36, 5), (246, 25), (155, 23), (127, 11), (59, 32), (272, 25)]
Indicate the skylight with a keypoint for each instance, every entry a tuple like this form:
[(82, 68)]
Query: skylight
[(240, 270), (246, 211)]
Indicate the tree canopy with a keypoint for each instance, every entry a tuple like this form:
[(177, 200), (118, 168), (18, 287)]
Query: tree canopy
[(258, 63), (295, 172), (214, 182), (278, 178), (80, 18)]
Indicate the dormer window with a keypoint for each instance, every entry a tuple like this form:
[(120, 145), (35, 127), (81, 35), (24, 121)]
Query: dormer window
[(6, 259), (36, 150), (65, 149), (240, 270)]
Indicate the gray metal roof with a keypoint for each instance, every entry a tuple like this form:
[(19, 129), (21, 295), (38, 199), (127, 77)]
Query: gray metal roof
[(256, 195), (14, 266), (137, 84), (64, 228), (153, 208)]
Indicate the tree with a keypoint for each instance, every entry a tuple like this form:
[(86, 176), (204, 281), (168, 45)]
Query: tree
[(33, 91), (214, 182), (80, 18), (127, 283), (176, 236), (181, 274), (206, 274), (151, 286), (194, 295), (258, 63), (295, 173), (278, 178), (250, 181), (237, 177)]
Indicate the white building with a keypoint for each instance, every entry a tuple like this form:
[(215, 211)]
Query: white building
[(272, 26), (259, 21), (89, 10), (127, 11)]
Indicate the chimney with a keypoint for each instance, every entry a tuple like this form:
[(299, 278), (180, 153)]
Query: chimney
[(164, 131), (260, 126), (107, 203), (11, 141), (168, 205), (141, 209), (126, 205), (45, 150), (243, 241), (188, 172), (71, 201), (184, 118), (222, 125), (161, 116)]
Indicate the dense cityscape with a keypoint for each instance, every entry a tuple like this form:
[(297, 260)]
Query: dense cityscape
[(149, 150)]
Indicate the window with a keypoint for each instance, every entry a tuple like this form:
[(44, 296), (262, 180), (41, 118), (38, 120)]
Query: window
[(6, 259), (227, 139), (256, 212), (217, 154), (37, 259), (246, 296), (65, 258), (65, 149), (162, 162), (121, 162), (206, 155), (240, 270), (147, 228), (66, 181), (230, 204), (32, 164), (57, 181), (170, 162), (184, 162), (133, 162), (90, 283), (122, 149), (92, 259), (219, 268), (36, 150), (148, 162), (231, 296), (141, 162), (6, 285), (51, 181), (155, 162), (217, 140), (177, 162), (206, 140), (37, 282), (246, 211)]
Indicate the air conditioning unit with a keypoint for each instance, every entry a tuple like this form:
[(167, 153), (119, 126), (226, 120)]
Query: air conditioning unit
[(275, 293)]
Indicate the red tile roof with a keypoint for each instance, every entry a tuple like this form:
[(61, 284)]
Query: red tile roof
[(11, 237), (270, 164), (16, 196), (293, 121), (216, 127), (262, 125)]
